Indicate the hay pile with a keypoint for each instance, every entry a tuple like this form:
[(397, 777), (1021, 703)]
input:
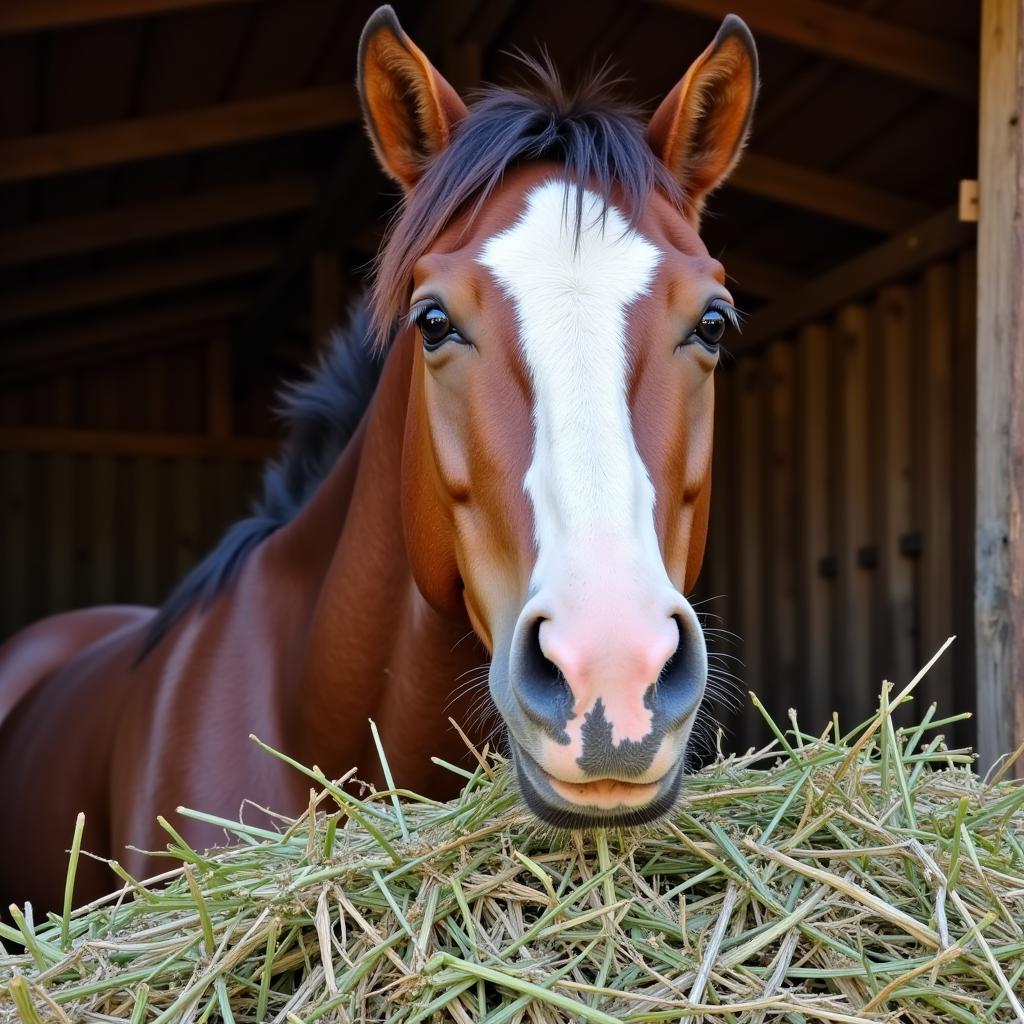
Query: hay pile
[(865, 877)]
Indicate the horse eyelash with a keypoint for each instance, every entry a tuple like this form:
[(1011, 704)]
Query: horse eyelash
[(418, 308), (736, 317)]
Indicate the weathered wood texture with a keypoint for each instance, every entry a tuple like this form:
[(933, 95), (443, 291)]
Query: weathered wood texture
[(115, 480), (999, 538), (143, 138), (33, 15), (848, 35), (840, 542)]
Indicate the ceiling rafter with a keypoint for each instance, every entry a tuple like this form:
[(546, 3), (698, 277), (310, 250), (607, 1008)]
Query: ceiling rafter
[(889, 262), (825, 193), (110, 336), (135, 443), (39, 15), (90, 290), (147, 221), (749, 275), (856, 38), (307, 109), (140, 138)]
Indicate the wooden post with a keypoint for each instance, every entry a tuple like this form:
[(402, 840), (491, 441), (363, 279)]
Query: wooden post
[(999, 531)]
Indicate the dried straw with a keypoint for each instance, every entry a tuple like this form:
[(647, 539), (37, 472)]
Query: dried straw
[(869, 876)]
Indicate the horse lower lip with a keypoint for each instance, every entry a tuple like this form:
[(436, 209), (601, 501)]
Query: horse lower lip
[(605, 794)]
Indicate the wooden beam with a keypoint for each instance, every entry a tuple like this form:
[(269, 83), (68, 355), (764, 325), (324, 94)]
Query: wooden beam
[(939, 235), (36, 15), (143, 222), (117, 442), (806, 189), (111, 336), (91, 290), (824, 193), (999, 428), (759, 278), (141, 138), (856, 38)]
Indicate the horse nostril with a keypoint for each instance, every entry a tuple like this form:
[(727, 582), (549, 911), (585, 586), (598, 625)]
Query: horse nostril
[(680, 681), (666, 669), (539, 680)]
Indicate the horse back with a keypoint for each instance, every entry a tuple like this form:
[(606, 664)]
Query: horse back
[(30, 656)]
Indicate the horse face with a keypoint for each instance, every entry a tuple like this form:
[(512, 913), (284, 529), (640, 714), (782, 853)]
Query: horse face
[(565, 376), (558, 446)]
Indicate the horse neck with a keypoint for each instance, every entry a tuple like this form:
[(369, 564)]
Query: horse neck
[(374, 648)]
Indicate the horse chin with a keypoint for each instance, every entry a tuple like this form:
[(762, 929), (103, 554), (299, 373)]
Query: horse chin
[(597, 804)]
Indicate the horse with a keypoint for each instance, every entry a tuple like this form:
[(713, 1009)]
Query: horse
[(495, 486)]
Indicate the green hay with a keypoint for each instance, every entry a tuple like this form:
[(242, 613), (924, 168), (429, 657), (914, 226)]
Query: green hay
[(865, 877)]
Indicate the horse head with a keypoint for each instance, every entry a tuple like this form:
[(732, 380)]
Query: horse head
[(567, 320)]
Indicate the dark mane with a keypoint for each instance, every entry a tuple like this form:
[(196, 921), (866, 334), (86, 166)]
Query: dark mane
[(596, 136), (322, 414)]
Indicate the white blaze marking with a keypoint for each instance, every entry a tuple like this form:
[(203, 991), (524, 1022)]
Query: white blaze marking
[(571, 296)]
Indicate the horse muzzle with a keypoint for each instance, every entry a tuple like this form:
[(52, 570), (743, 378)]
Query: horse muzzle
[(597, 802), (600, 706)]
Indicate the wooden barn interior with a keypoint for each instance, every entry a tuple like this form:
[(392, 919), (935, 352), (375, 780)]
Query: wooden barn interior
[(188, 205)]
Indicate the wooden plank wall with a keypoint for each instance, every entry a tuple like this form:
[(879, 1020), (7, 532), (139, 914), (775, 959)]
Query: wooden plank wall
[(841, 533), (84, 529)]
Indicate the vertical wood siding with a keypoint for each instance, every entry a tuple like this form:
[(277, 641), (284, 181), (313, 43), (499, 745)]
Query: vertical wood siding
[(842, 513), (79, 530)]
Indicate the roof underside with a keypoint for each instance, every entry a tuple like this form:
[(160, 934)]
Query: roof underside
[(166, 161)]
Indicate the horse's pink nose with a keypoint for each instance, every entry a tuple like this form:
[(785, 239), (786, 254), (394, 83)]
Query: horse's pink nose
[(607, 683), (612, 661)]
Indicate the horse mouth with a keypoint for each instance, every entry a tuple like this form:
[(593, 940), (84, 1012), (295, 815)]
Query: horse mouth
[(606, 794), (596, 803)]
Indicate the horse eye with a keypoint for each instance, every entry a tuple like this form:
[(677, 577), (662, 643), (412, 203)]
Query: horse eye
[(435, 326), (711, 327)]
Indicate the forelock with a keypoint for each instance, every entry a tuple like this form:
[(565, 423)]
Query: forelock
[(594, 135)]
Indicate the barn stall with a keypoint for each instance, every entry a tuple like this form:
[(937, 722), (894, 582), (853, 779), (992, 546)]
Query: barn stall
[(188, 204)]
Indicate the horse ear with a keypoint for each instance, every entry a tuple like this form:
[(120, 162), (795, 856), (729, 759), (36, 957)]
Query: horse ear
[(702, 124), (410, 110)]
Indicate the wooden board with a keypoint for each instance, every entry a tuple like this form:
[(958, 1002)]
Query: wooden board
[(817, 551), (855, 688), (999, 432), (140, 138), (779, 552), (750, 539), (719, 580), (871, 42), (896, 613), (37, 15), (964, 417), (888, 263), (936, 493)]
